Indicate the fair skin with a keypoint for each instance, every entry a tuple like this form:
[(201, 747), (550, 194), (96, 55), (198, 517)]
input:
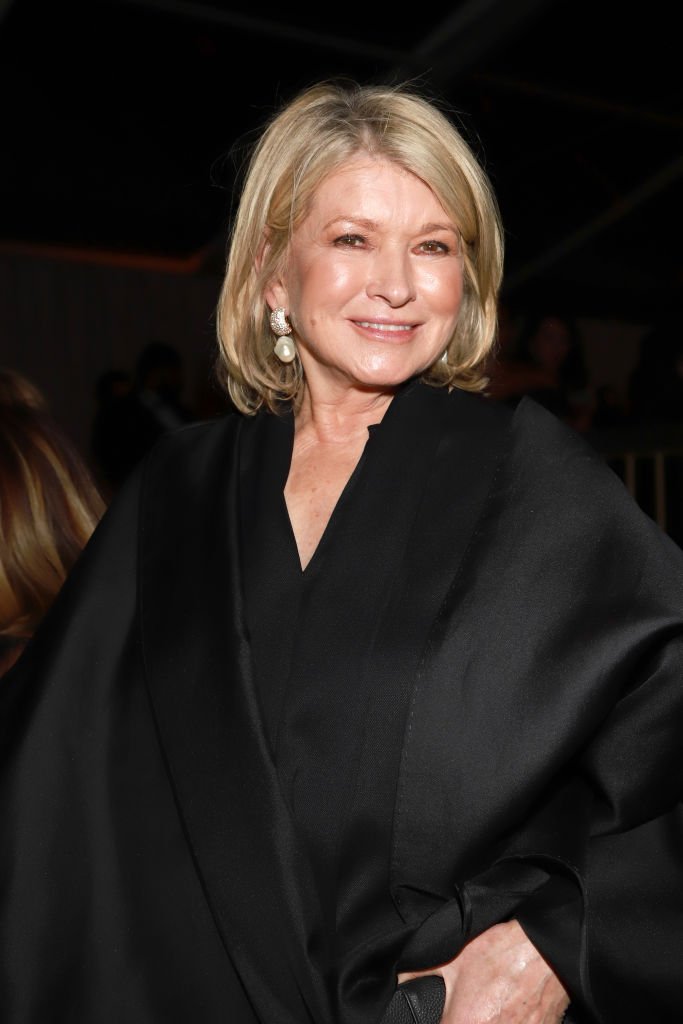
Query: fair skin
[(373, 286), (499, 978)]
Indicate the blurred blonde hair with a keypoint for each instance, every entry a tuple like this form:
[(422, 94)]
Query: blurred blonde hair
[(49, 506), (17, 390), (314, 135)]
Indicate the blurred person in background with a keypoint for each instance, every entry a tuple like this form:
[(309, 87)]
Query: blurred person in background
[(547, 364), (127, 424), (108, 459), (49, 507), (17, 391)]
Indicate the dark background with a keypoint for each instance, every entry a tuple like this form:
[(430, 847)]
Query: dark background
[(124, 122)]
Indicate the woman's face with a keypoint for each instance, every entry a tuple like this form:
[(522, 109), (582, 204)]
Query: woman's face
[(374, 278)]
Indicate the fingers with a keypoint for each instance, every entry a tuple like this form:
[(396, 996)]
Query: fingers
[(499, 978)]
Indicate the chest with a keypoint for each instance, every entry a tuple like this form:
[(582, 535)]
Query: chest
[(317, 479)]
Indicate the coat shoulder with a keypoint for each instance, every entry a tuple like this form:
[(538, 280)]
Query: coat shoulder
[(194, 438), (190, 456)]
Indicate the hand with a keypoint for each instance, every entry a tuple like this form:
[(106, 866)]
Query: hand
[(500, 978)]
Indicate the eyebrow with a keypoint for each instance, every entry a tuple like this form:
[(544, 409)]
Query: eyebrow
[(371, 225), (426, 228)]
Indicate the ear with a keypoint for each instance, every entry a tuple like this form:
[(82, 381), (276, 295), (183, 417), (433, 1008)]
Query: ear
[(275, 291), (275, 294)]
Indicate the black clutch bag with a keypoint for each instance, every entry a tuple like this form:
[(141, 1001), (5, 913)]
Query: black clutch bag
[(420, 1001)]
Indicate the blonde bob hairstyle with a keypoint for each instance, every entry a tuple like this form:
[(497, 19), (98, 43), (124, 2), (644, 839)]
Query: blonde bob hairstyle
[(313, 136), (49, 507)]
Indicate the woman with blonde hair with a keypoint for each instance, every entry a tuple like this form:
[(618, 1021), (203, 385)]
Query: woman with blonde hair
[(49, 507), (363, 704), (17, 391)]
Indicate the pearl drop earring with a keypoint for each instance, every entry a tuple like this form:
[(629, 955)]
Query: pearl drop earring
[(284, 348)]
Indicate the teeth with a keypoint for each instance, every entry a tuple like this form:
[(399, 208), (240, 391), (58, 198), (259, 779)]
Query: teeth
[(384, 327)]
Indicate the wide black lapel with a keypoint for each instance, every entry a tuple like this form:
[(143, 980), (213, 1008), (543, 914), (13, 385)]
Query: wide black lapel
[(475, 437), (476, 701), (438, 462), (200, 679)]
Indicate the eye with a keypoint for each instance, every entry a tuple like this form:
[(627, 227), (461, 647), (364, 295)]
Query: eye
[(350, 241), (434, 248)]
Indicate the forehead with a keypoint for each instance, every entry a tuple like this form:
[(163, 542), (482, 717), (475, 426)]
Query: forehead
[(373, 188)]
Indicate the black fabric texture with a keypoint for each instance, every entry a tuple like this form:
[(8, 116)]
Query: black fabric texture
[(498, 630)]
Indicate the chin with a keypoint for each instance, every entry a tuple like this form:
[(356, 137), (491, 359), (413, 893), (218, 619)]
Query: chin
[(390, 374), (384, 381)]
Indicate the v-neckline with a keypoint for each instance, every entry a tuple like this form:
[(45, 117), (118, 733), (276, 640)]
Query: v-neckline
[(342, 502), (337, 513)]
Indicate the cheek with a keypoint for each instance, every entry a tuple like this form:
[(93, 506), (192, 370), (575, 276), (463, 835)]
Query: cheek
[(339, 280), (443, 290), (323, 284)]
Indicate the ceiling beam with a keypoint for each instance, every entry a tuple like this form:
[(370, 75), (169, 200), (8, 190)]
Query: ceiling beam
[(616, 212), (469, 33)]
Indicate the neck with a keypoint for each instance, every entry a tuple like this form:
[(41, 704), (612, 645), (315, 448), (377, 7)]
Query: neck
[(338, 417)]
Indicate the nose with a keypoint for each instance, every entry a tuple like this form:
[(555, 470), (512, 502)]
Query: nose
[(391, 276)]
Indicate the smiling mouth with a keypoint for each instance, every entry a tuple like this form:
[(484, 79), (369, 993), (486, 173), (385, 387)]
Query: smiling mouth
[(384, 327)]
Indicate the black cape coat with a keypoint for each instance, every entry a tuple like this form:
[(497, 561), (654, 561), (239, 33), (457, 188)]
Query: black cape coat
[(150, 868)]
